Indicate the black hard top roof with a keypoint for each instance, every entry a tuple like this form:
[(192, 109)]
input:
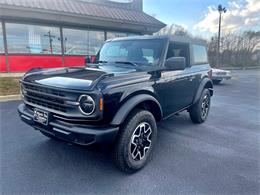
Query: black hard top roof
[(174, 38)]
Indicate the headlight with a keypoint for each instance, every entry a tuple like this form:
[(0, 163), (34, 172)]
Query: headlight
[(86, 104)]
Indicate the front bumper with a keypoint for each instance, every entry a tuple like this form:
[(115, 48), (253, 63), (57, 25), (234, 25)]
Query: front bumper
[(76, 133)]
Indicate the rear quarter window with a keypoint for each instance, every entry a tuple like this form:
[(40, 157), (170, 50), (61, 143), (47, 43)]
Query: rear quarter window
[(200, 55)]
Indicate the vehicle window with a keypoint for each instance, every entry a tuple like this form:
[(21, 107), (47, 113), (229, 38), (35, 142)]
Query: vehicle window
[(116, 51), (179, 50), (148, 55), (33, 39), (200, 54), (147, 52)]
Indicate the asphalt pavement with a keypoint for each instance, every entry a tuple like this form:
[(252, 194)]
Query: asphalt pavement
[(221, 156)]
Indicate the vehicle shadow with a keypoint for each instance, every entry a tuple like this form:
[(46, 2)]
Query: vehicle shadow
[(99, 158)]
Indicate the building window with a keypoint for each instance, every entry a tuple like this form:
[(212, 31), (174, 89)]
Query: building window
[(96, 40), (33, 39), (112, 35), (82, 42), (2, 50), (75, 42), (200, 54)]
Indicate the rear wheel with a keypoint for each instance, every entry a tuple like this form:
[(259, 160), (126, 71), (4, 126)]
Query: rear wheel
[(199, 111), (135, 141)]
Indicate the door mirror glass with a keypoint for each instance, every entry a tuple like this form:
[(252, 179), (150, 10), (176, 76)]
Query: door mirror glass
[(175, 63)]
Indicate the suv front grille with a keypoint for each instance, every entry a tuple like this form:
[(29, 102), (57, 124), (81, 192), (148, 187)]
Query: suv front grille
[(45, 97), (43, 90), (46, 104)]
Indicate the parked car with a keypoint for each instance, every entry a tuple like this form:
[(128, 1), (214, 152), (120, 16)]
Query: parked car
[(134, 83), (219, 75)]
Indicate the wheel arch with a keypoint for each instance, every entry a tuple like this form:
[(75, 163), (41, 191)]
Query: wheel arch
[(141, 101), (206, 83)]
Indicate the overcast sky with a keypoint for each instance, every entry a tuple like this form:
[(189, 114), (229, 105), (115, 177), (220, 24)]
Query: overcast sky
[(201, 16)]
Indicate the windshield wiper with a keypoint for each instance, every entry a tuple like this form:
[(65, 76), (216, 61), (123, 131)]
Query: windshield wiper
[(126, 62)]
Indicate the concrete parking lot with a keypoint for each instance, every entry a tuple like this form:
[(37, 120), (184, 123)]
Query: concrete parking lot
[(220, 156)]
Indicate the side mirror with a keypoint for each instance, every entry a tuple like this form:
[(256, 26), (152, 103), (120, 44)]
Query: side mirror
[(175, 63)]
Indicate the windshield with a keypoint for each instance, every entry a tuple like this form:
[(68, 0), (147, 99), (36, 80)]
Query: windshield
[(132, 52)]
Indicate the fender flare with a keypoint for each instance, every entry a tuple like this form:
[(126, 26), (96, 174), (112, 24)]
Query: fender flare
[(130, 104), (205, 83)]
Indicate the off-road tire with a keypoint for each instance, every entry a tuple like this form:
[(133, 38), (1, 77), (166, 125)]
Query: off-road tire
[(196, 110), (123, 156)]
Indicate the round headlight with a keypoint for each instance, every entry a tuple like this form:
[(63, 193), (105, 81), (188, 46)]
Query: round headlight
[(86, 105)]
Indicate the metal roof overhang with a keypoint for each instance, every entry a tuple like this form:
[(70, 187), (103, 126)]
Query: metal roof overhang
[(24, 14)]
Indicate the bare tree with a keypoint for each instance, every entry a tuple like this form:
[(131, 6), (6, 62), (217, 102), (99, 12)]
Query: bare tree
[(236, 49)]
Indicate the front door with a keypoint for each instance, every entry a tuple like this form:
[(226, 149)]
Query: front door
[(175, 88)]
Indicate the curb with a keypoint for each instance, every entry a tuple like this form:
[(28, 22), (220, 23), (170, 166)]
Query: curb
[(17, 74), (8, 98)]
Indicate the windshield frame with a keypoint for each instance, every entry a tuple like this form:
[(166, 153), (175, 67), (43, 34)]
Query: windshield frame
[(165, 42)]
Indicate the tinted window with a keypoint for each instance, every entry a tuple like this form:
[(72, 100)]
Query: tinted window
[(179, 50), (1, 39), (24, 38), (200, 54), (82, 42), (146, 52)]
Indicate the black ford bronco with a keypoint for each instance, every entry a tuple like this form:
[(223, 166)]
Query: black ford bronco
[(133, 83)]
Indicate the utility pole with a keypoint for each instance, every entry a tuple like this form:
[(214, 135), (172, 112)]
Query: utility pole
[(65, 44), (50, 40), (220, 10)]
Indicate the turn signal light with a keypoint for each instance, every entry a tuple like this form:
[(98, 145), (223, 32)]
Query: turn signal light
[(101, 104)]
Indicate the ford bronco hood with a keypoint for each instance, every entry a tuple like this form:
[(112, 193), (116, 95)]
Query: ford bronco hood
[(72, 78)]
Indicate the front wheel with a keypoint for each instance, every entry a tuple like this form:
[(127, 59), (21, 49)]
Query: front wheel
[(199, 111), (135, 141)]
